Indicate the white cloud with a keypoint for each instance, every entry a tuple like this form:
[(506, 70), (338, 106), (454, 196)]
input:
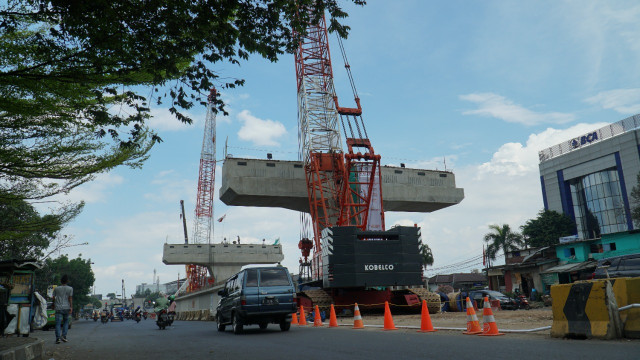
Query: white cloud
[(517, 160), (624, 101), (95, 191), (162, 120), (494, 105), (169, 187), (258, 131)]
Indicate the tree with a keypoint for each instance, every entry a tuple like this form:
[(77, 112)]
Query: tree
[(81, 277), (111, 296), (25, 234), (502, 238), (97, 304), (426, 255), (77, 79), (547, 228), (74, 72)]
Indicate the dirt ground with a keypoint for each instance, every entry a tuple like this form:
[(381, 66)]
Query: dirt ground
[(505, 319)]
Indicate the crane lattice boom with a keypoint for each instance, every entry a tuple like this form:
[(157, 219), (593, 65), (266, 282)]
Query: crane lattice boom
[(203, 224), (343, 189)]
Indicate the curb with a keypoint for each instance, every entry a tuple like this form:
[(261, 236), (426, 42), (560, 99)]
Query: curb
[(31, 351)]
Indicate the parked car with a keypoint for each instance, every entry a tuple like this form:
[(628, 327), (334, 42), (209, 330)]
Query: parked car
[(506, 303), (618, 266), (260, 296), (51, 317)]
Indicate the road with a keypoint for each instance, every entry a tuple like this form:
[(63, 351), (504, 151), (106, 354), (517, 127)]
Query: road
[(201, 340)]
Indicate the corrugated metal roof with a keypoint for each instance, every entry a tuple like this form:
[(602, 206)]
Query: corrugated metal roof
[(570, 267)]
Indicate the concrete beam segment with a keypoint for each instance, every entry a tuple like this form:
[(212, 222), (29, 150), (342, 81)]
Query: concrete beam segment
[(277, 183), (222, 260)]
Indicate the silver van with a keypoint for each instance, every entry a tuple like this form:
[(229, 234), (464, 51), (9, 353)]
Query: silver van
[(262, 296)]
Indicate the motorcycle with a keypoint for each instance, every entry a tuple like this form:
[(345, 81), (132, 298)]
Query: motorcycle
[(171, 316), (104, 318), (137, 317), (162, 319), (144, 315), (95, 317), (522, 302)]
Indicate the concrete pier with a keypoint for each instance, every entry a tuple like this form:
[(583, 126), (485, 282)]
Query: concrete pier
[(278, 183)]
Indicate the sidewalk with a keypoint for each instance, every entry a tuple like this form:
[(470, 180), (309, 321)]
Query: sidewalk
[(21, 348)]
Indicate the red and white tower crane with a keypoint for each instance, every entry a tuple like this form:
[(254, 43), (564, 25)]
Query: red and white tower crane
[(203, 224), (344, 189)]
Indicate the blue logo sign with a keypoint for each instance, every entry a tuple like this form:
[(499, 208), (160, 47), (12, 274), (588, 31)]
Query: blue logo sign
[(585, 139)]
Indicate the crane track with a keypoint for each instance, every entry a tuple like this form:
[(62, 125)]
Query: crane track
[(319, 297), (433, 299)]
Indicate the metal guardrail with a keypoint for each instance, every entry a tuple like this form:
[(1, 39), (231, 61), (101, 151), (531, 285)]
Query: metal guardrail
[(606, 132)]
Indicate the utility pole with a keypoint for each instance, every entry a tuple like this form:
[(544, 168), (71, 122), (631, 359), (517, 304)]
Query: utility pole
[(124, 296)]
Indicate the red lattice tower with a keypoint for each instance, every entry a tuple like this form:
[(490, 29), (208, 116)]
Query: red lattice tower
[(203, 221), (343, 189)]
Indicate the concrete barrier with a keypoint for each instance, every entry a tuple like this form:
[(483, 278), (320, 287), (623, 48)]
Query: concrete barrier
[(627, 291), (585, 309)]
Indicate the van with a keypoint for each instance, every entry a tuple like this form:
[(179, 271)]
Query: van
[(618, 266), (262, 296)]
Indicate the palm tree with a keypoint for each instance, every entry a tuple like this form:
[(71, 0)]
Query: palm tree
[(426, 256), (502, 238)]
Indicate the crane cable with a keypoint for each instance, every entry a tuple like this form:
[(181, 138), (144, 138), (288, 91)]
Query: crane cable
[(355, 94)]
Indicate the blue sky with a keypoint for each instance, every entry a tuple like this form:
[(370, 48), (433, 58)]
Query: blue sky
[(482, 84)]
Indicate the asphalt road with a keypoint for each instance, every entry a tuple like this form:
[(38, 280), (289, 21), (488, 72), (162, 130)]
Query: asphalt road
[(201, 340)]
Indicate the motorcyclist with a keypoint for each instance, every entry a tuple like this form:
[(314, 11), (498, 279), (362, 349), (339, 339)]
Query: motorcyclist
[(172, 308), (162, 303)]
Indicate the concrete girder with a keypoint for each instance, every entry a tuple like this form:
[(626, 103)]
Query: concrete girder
[(278, 183), (222, 260)]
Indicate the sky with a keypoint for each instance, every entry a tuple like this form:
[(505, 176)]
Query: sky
[(476, 87)]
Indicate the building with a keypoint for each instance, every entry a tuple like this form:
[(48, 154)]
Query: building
[(167, 288), (590, 179), (522, 270)]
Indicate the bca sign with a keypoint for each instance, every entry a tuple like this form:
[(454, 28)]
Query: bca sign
[(585, 139)]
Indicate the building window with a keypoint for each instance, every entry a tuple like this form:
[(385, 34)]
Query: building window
[(596, 248), (613, 246), (598, 204), (569, 252)]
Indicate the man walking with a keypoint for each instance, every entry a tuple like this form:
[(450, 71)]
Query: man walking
[(62, 303)]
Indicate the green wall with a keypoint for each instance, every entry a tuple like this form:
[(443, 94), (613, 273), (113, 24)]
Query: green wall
[(625, 242)]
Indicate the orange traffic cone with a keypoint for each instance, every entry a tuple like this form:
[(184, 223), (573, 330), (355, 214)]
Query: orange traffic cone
[(473, 326), (388, 320), (294, 319), (425, 323), (357, 319), (317, 320), (490, 328), (333, 321), (303, 318)]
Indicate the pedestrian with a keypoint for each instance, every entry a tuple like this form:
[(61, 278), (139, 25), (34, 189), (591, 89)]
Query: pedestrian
[(63, 305)]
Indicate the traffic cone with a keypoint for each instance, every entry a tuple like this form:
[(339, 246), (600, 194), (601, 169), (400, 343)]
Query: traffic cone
[(473, 326), (333, 321), (425, 323), (294, 319), (388, 320), (357, 319), (303, 317), (317, 320), (490, 328)]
